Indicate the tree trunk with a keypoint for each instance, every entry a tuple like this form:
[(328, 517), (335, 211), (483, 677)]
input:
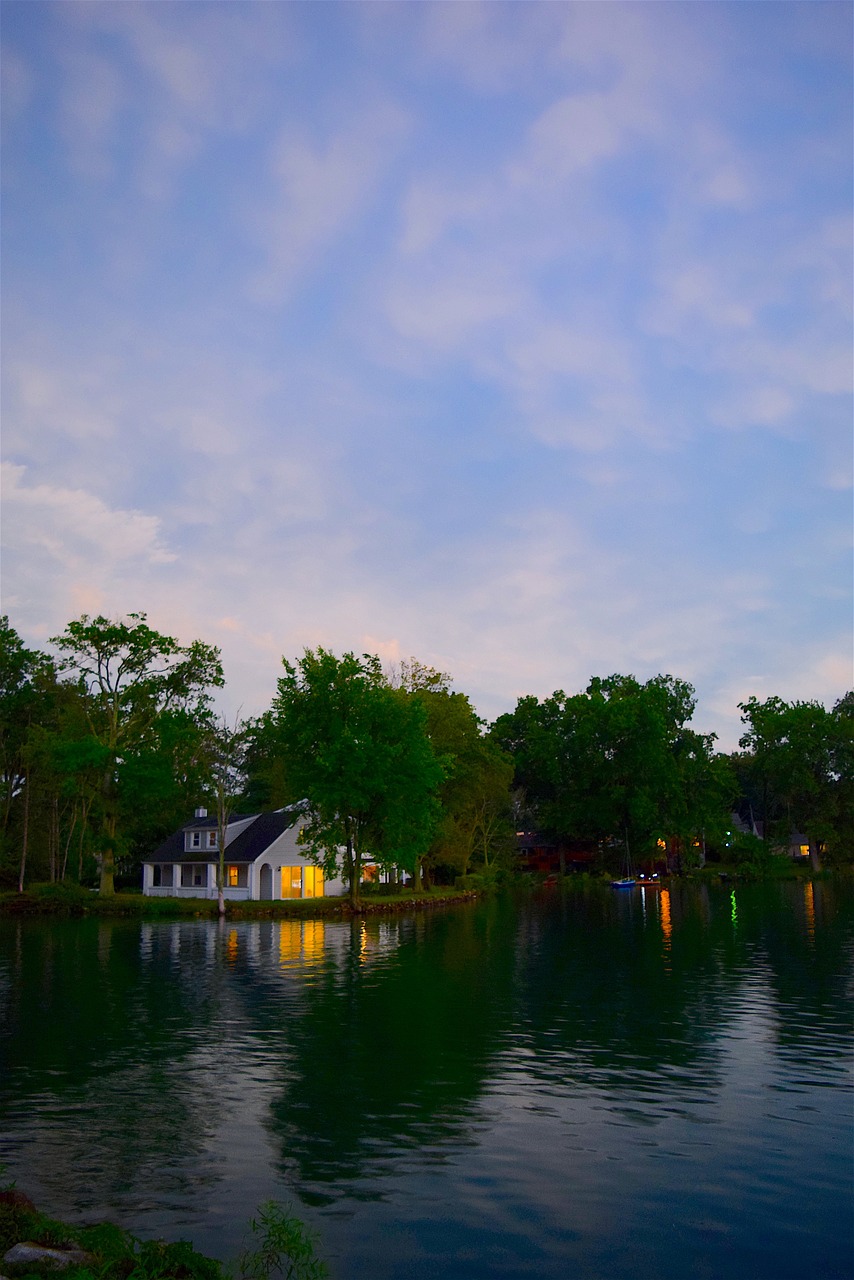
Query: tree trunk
[(107, 886), (352, 864), (25, 834), (68, 841), (220, 878), (83, 820), (53, 838), (815, 861)]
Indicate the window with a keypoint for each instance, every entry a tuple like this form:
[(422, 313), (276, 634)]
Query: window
[(232, 877), (313, 877), (211, 839), (196, 841), (291, 882)]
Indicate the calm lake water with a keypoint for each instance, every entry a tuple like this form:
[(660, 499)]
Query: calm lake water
[(591, 1084)]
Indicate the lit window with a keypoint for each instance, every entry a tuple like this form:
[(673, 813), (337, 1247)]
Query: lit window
[(211, 839), (232, 877)]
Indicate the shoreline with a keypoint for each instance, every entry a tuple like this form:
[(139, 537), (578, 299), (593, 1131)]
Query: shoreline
[(33, 1243), (64, 900), (69, 900)]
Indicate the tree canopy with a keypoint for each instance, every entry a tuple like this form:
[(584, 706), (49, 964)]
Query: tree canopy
[(617, 764), (800, 770), (358, 753), (108, 743), (127, 676)]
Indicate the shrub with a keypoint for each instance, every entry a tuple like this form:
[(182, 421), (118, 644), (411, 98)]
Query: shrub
[(286, 1247)]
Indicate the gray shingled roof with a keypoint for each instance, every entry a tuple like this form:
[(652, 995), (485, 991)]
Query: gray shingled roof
[(261, 833), (262, 830)]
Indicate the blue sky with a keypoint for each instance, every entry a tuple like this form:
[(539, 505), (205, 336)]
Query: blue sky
[(514, 337)]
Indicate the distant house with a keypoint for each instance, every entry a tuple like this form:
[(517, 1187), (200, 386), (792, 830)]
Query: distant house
[(536, 852), (263, 860), (797, 847)]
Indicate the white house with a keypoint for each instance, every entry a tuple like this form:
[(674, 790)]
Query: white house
[(263, 859)]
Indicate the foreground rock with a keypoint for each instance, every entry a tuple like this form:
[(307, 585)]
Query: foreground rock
[(56, 1258)]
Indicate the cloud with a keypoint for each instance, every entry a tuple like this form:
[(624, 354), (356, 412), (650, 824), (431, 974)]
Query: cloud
[(320, 189), (93, 96), (43, 396), (486, 46), (509, 336), (172, 79), (16, 82), (71, 545)]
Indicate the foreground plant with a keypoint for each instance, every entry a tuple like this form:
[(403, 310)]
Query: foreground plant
[(286, 1247)]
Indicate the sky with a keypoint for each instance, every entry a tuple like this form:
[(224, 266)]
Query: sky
[(516, 338)]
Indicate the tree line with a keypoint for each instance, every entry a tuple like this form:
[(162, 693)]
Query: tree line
[(108, 743)]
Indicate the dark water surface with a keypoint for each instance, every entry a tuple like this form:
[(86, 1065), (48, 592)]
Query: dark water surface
[(593, 1084)]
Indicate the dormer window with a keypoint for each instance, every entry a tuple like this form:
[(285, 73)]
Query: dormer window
[(196, 841), (211, 839)]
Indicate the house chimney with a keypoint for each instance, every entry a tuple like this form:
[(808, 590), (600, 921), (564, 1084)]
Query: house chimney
[(201, 813)]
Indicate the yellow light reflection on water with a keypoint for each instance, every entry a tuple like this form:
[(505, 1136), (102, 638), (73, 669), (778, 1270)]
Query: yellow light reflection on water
[(231, 947), (666, 919), (290, 941), (313, 939), (809, 903), (734, 908)]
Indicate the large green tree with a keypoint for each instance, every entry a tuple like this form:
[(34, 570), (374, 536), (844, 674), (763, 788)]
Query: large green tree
[(128, 675), (474, 824), (617, 764), (29, 700), (160, 781), (359, 754), (799, 764)]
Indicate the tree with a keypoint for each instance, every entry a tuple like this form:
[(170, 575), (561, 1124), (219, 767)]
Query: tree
[(128, 675), (29, 699), (616, 764), (475, 793), (359, 754), (161, 780), (225, 757), (802, 759), (266, 785)]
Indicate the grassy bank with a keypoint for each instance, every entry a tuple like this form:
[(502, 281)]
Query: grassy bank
[(71, 900), (278, 1244)]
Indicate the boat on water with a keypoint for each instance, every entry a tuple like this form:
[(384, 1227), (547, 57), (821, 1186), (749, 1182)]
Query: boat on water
[(627, 880), (648, 882)]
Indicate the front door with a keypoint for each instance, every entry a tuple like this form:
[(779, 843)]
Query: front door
[(266, 881)]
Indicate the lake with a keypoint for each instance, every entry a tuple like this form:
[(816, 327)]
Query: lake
[(585, 1083)]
